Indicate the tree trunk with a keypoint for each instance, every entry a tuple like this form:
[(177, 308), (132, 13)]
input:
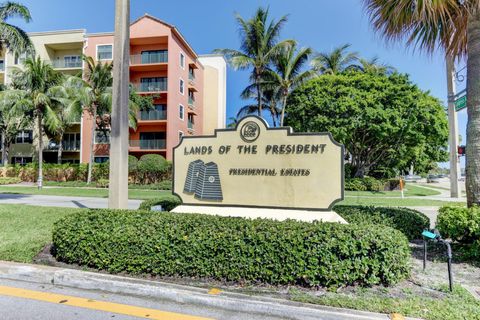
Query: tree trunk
[(60, 149), (473, 109), (284, 105), (92, 142), (4, 152), (40, 151), (259, 94)]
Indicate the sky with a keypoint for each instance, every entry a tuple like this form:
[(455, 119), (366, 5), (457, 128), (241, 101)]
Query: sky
[(210, 24)]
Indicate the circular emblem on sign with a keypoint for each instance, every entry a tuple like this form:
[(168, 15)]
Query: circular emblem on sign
[(211, 179), (250, 131)]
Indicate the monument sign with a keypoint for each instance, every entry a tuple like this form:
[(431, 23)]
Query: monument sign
[(257, 166)]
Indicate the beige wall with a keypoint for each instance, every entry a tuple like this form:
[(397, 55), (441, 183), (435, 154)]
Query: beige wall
[(215, 87)]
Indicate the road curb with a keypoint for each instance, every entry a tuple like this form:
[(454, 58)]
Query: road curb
[(178, 293)]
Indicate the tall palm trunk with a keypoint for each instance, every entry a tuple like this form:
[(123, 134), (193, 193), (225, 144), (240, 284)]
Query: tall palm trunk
[(4, 151), (259, 93), (92, 142), (60, 149), (473, 109), (284, 105), (40, 151)]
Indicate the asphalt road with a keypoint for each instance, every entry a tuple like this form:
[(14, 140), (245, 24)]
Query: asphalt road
[(60, 201), (68, 303)]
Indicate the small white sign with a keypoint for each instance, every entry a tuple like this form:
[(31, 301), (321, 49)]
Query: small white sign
[(156, 208)]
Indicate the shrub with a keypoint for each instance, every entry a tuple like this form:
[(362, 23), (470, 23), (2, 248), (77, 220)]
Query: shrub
[(9, 180), (168, 203), (410, 222), (373, 184), (459, 224), (162, 185), (355, 184), (232, 249), (102, 183), (151, 167), (132, 164)]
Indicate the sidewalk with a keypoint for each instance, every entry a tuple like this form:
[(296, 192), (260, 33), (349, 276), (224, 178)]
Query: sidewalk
[(239, 306), (61, 201)]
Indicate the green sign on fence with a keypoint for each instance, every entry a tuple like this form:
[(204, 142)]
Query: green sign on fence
[(461, 103)]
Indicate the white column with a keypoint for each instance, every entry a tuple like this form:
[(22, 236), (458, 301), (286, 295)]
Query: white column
[(118, 185), (452, 130)]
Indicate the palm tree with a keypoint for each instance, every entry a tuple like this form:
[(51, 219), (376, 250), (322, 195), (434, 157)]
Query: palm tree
[(269, 100), (453, 26), (289, 73), (95, 96), (259, 43), (34, 83), (13, 119), (12, 37), (374, 66), (336, 61), (232, 122)]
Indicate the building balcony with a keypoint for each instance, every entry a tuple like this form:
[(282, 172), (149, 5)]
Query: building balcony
[(66, 146), (151, 58), (62, 64), (153, 115), (155, 144), (190, 126), (151, 87), (2, 66), (191, 102)]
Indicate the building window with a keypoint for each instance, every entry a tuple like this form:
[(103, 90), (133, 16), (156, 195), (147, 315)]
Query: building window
[(72, 61), (2, 65), (74, 161), (180, 135), (152, 140), (191, 121), (102, 159), (102, 137), (181, 109), (182, 86), (154, 84), (182, 60), (20, 59), (71, 141), (154, 56), (21, 160), (105, 52), (24, 136)]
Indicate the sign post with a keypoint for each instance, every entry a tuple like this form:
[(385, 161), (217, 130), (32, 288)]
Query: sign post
[(257, 171)]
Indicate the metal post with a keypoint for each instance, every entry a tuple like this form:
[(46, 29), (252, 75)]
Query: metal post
[(118, 183), (453, 129), (424, 254)]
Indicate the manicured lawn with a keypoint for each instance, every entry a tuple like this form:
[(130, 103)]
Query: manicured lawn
[(459, 304), (392, 202), (25, 230), (81, 192), (410, 190)]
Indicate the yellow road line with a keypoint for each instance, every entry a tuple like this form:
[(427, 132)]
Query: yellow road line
[(96, 305)]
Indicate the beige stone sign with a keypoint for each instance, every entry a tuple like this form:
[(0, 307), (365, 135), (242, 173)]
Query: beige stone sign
[(257, 166)]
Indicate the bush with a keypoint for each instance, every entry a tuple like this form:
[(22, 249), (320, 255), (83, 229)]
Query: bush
[(9, 180), (355, 184), (373, 184), (459, 224), (102, 183), (410, 222), (151, 167), (168, 203), (162, 185), (232, 249)]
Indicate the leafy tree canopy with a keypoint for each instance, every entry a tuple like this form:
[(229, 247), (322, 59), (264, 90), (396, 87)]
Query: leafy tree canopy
[(384, 120)]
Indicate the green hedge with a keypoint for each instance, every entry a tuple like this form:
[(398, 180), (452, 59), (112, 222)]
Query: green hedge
[(9, 180), (463, 226), (410, 222), (371, 184), (232, 249), (168, 202)]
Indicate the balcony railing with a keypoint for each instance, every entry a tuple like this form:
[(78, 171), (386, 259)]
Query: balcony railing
[(191, 101), (2, 66), (67, 145), (158, 57), (154, 144), (66, 64), (191, 76), (147, 115), (152, 86), (190, 125)]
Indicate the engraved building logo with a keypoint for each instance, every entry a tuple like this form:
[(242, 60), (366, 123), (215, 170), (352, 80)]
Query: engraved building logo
[(203, 181), (250, 131)]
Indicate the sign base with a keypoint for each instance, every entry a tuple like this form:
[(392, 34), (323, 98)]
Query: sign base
[(249, 212)]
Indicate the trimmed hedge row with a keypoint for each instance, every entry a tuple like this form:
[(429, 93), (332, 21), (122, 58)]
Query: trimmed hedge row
[(371, 184), (463, 226), (9, 180), (168, 203), (410, 222), (232, 249)]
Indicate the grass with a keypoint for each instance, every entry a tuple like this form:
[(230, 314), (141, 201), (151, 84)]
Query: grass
[(81, 192), (410, 190), (392, 202), (458, 305), (25, 230)]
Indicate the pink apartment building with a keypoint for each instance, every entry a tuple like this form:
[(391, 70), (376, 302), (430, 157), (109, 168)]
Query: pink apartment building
[(163, 65)]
